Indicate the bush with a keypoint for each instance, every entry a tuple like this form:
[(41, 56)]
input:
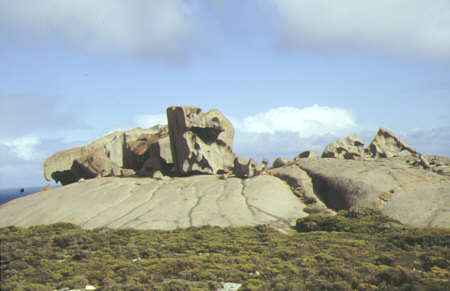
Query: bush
[(355, 220)]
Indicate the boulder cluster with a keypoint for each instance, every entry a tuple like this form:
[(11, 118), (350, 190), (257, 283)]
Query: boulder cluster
[(196, 142), (193, 142)]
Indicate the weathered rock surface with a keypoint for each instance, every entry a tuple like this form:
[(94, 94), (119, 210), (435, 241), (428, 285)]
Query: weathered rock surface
[(146, 203), (308, 155), (201, 142), (280, 162), (301, 185), (387, 144), (413, 196), (388, 174), (350, 147), (244, 169), (113, 155)]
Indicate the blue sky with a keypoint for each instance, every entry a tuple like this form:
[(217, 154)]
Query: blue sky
[(291, 75)]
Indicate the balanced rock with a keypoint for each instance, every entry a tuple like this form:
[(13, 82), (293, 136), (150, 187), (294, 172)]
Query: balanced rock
[(349, 148), (387, 144), (200, 142)]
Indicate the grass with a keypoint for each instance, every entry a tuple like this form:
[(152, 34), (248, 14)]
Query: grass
[(359, 249)]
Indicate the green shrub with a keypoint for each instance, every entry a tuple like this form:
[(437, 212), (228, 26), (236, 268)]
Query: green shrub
[(355, 220), (355, 250)]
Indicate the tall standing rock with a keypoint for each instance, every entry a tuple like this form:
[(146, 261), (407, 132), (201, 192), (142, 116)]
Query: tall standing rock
[(201, 142)]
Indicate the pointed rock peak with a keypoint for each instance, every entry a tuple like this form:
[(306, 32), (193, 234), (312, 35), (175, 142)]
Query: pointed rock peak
[(387, 144)]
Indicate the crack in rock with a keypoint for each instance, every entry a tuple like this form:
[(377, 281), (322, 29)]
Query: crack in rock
[(270, 214), (219, 208), (244, 187), (140, 205), (199, 198), (107, 208)]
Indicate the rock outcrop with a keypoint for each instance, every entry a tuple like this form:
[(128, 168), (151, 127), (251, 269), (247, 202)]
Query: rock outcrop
[(117, 154), (308, 155), (280, 162), (301, 186), (244, 169), (349, 148), (145, 203), (387, 144), (148, 179), (193, 143), (201, 142), (413, 196)]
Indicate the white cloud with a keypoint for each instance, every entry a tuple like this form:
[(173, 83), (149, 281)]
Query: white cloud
[(414, 27), (160, 29), (287, 131), (307, 122), (147, 121), (23, 147)]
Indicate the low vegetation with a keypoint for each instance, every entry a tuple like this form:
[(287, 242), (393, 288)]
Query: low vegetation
[(358, 249)]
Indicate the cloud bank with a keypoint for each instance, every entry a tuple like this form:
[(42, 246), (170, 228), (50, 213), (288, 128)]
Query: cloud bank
[(287, 131), (412, 27), (172, 31), (166, 30), (23, 147)]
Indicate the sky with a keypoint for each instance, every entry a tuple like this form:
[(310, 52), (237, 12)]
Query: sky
[(292, 75)]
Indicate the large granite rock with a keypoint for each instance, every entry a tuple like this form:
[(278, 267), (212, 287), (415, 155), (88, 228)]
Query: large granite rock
[(146, 203), (387, 144), (350, 147), (117, 154), (412, 195), (301, 186), (201, 141)]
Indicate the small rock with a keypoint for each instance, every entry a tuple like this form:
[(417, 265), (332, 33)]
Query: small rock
[(89, 287), (230, 287), (308, 155), (47, 187), (157, 175), (280, 162)]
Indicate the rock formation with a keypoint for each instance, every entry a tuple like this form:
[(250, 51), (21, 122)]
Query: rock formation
[(387, 144), (146, 178), (411, 195), (349, 148), (116, 154), (308, 155), (200, 142), (193, 143), (244, 169), (145, 203), (280, 162)]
